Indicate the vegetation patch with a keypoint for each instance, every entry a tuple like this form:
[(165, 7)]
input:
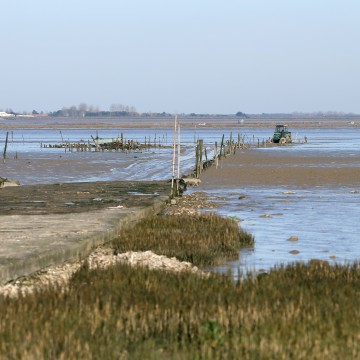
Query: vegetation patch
[(300, 312), (200, 239)]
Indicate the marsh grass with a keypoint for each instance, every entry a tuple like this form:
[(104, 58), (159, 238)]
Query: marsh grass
[(302, 311), (200, 239)]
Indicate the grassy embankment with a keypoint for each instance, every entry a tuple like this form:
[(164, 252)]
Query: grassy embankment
[(302, 311)]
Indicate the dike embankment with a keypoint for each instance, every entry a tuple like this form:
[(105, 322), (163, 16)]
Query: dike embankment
[(46, 225)]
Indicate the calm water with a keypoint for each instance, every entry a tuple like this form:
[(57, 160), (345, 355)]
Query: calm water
[(325, 219)]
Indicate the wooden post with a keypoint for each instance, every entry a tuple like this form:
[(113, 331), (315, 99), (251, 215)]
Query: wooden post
[(96, 144), (173, 160), (221, 146), (178, 159), (5, 147), (201, 144), (197, 160), (216, 155)]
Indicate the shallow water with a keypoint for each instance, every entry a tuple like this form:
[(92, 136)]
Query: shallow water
[(325, 221), (152, 164)]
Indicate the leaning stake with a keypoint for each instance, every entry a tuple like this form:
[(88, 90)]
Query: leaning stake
[(6, 142)]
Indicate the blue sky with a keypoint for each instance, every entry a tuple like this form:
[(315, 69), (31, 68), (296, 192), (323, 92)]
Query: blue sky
[(185, 56)]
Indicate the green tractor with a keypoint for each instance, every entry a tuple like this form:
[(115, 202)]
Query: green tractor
[(281, 135)]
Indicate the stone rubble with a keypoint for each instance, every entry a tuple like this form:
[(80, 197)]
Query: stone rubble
[(190, 204), (4, 182), (103, 258)]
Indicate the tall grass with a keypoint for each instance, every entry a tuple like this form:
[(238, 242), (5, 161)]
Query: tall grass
[(299, 312), (200, 239), (302, 311)]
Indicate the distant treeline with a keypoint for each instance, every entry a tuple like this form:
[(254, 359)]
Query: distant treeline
[(84, 110), (115, 110), (61, 113)]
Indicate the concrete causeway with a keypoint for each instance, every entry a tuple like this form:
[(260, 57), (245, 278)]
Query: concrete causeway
[(46, 225)]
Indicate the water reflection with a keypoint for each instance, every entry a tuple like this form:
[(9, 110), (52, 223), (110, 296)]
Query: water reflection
[(323, 221)]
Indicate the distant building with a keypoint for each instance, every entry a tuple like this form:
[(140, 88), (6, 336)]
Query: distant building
[(24, 116), (4, 114)]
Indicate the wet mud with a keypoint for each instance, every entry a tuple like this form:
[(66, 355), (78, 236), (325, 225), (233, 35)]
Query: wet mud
[(66, 198)]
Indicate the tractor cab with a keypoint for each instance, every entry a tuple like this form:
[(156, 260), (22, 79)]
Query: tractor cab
[(281, 134)]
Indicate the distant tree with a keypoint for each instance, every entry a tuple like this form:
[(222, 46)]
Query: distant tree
[(120, 108), (64, 111), (34, 112), (239, 113), (82, 107), (117, 107), (73, 111)]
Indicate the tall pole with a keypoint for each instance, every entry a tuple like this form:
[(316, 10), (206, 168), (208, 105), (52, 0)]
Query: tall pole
[(178, 159), (173, 160)]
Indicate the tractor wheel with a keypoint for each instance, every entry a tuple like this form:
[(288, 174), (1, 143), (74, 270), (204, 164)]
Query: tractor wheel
[(282, 141)]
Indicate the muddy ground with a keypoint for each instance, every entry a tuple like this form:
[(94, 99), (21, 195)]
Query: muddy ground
[(186, 122), (69, 198), (259, 167)]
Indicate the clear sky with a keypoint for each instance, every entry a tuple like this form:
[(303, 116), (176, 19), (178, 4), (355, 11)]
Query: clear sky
[(202, 56)]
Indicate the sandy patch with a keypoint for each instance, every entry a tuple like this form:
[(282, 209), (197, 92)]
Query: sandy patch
[(261, 167)]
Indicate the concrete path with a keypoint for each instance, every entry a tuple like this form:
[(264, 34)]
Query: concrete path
[(35, 234)]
